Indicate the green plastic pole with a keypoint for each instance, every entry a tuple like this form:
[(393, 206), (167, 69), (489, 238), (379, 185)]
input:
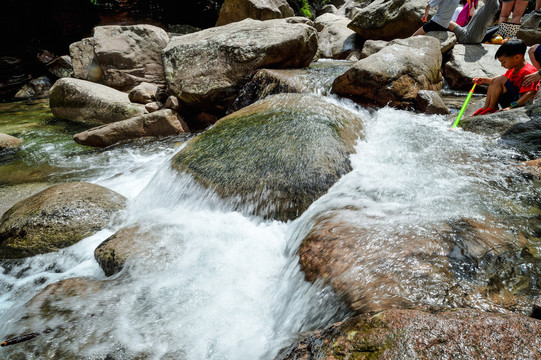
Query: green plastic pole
[(463, 107)]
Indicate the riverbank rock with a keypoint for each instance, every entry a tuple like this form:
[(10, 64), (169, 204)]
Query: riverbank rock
[(430, 102), (447, 39), (375, 266), (90, 103), (61, 67), (470, 61), (159, 123), (410, 334), (495, 124), (8, 142), (237, 10), (129, 55), (335, 39), (207, 69), (56, 218), (387, 20), (395, 74), (36, 88), (276, 156)]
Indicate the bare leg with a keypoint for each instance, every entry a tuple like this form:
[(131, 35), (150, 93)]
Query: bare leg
[(420, 31), (453, 25), (518, 11), (538, 5), (495, 89), (507, 7)]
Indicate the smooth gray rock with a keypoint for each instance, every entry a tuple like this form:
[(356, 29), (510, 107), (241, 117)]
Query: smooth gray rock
[(91, 103)]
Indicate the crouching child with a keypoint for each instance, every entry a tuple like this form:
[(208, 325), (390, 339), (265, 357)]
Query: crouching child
[(508, 90)]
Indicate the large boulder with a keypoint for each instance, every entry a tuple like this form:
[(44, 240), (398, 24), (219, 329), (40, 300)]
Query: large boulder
[(495, 124), (56, 218), (61, 67), (159, 123), (395, 74), (36, 88), (129, 55), (335, 39), (471, 61), (388, 19), (276, 156), (409, 334), (374, 266), (8, 141), (121, 56), (207, 69), (91, 103), (237, 10)]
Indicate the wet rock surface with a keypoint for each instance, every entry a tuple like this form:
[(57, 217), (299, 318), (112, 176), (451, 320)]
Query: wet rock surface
[(56, 218), (410, 334), (237, 10), (298, 150)]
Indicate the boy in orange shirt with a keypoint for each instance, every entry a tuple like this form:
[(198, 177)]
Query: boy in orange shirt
[(508, 89)]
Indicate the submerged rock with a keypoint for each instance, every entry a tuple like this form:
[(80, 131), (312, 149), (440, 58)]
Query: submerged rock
[(395, 74), (207, 69), (158, 123), (374, 267), (56, 218), (87, 102), (237, 10), (410, 334), (276, 156), (8, 141), (115, 251)]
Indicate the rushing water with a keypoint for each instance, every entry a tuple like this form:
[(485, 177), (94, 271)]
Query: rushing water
[(215, 284)]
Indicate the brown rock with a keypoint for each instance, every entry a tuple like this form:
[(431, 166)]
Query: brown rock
[(144, 93), (84, 61), (160, 123), (8, 141), (237, 10), (154, 106), (409, 334), (395, 74)]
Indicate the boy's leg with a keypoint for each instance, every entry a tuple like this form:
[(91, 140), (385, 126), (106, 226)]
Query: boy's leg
[(495, 89)]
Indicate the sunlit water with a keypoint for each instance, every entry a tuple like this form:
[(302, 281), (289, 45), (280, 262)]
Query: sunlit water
[(216, 284)]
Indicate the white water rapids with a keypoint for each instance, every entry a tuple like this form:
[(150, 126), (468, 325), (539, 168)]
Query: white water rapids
[(216, 284)]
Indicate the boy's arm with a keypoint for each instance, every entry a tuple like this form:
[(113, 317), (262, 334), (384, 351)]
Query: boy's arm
[(527, 96), (482, 80)]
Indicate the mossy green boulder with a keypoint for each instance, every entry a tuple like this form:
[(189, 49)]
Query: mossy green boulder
[(276, 156), (55, 218)]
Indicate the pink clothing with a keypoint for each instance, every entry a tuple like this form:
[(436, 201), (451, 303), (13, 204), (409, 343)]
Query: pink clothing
[(464, 16)]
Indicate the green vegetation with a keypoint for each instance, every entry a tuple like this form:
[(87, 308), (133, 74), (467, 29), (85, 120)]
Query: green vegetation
[(305, 9)]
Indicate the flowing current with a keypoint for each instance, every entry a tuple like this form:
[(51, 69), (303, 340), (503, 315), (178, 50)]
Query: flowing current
[(216, 284)]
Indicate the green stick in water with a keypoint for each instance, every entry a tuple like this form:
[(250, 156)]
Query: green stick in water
[(463, 107)]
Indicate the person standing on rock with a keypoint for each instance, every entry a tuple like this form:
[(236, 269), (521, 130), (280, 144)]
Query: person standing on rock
[(474, 31), (509, 90), (441, 19)]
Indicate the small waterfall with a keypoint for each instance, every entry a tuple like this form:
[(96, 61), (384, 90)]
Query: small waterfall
[(216, 284)]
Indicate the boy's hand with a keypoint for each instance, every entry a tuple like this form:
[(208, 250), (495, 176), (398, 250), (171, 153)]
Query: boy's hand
[(480, 80), (423, 18)]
